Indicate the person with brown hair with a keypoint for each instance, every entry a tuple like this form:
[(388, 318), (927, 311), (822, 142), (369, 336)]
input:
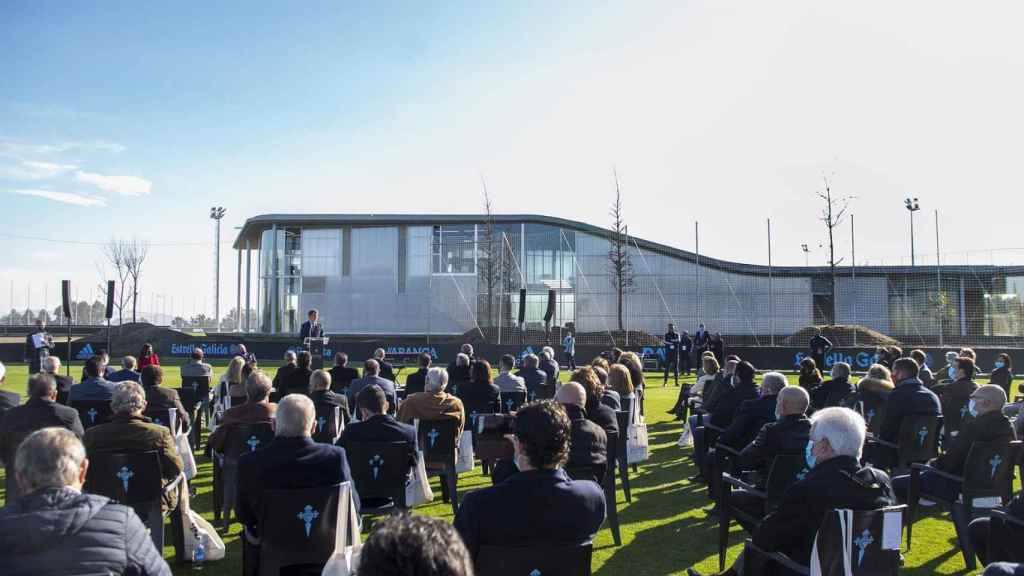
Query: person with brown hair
[(620, 382), (1002, 373), (597, 412), (480, 395), (810, 376)]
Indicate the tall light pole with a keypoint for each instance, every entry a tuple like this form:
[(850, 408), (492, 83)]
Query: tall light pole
[(806, 251), (217, 212), (912, 206)]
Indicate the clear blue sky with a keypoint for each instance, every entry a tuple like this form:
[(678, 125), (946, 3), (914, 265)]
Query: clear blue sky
[(131, 119)]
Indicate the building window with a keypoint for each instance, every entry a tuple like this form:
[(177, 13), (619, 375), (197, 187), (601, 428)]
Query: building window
[(454, 249)]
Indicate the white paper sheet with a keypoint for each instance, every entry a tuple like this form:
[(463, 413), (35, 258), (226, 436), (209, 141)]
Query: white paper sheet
[(892, 531)]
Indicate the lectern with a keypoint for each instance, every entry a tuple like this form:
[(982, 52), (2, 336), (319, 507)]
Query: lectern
[(315, 346)]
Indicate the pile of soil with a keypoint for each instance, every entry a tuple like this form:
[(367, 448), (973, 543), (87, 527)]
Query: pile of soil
[(842, 335), (128, 338)]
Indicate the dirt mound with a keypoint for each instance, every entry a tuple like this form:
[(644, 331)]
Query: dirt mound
[(129, 338), (841, 335)]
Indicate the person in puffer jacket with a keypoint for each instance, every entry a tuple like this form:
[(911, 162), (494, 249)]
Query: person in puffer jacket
[(55, 529)]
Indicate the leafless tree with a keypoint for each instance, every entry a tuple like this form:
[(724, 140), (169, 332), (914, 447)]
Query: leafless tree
[(488, 257), (619, 263), (128, 258), (832, 215), (113, 253)]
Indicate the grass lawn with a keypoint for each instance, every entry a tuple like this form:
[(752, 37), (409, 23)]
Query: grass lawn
[(664, 530)]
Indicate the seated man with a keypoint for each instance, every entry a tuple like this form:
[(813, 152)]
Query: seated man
[(375, 424), (506, 381), (434, 403), (549, 365), (127, 372), (387, 371), (51, 365), (370, 377), (960, 389), (290, 361), (342, 374), (198, 373), (129, 432), (257, 409), (160, 398), (909, 397), (1007, 547), (987, 425), (836, 480), (533, 377), (57, 529), (724, 411), (291, 461), (420, 545), (540, 505), (40, 411), (832, 392), (588, 444), (416, 381), (320, 382), (105, 370), (297, 379), (94, 387)]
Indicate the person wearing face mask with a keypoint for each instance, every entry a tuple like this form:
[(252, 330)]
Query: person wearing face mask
[(956, 393), (539, 505), (948, 372), (1002, 373), (835, 480), (908, 397), (833, 392), (986, 425), (926, 374), (722, 414)]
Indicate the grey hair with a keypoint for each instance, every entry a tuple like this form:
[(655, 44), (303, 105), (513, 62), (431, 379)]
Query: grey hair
[(128, 398), (531, 360), (378, 353), (257, 386), (467, 349), (773, 383), (129, 362), (42, 385), (840, 370), (461, 359), (437, 380), (49, 458), (843, 428), (290, 356), (320, 380), (51, 364), (295, 415), (548, 352)]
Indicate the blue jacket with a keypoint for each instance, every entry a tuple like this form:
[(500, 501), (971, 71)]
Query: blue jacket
[(92, 389), (538, 507), (909, 397), (125, 375), (386, 385)]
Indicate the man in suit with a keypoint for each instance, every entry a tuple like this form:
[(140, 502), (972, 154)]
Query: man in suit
[(94, 387), (533, 377), (106, 370), (290, 364), (453, 366), (539, 505), (588, 444), (415, 382), (160, 398), (671, 340), (370, 377), (51, 365), (700, 339), (38, 345), (291, 461), (342, 374), (387, 371), (986, 425), (127, 371), (129, 432), (40, 411), (434, 403), (197, 373), (257, 409), (833, 392), (321, 394), (311, 328), (549, 365), (753, 414), (506, 381), (723, 412), (297, 380), (909, 397), (818, 347), (685, 349), (959, 391), (375, 424), (835, 480)]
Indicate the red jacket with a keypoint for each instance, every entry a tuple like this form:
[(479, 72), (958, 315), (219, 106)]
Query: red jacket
[(151, 360)]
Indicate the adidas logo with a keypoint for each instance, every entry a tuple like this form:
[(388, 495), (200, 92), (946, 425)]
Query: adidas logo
[(85, 353)]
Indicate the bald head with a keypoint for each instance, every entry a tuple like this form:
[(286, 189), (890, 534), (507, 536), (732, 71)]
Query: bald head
[(571, 393), (989, 398), (792, 400)]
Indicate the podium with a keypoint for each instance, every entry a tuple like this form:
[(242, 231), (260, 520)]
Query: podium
[(315, 347)]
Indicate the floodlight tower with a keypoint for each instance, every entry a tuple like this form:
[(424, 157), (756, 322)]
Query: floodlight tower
[(806, 251), (216, 213), (912, 206)]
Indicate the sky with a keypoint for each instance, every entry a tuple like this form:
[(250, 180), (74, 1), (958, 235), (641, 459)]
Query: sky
[(129, 120)]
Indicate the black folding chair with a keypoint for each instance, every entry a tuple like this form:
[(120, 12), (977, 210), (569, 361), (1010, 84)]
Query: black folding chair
[(918, 440), (93, 412), (873, 411), (437, 441), (571, 560), (190, 402), (380, 471), (329, 424), (135, 480), (786, 470), (239, 440), (511, 401), (988, 473), (168, 418), (607, 483), (621, 462), (1002, 536), (954, 416), (297, 528), (867, 556)]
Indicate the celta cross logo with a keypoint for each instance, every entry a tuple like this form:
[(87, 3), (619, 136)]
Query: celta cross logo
[(124, 475), (862, 542), (307, 516), (921, 435), (963, 412), (535, 572), (508, 404), (871, 415), (320, 421), (92, 415), (158, 421), (802, 474), (432, 435), (994, 463), (533, 395), (376, 463), (253, 442)]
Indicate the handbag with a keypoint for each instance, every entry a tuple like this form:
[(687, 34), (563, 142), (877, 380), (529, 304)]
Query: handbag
[(464, 458), (636, 438), (201, 541), (417, 488), (347, 546), (184, 449), (686, 438)]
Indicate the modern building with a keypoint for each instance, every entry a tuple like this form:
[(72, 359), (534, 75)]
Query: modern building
[(432, 274)]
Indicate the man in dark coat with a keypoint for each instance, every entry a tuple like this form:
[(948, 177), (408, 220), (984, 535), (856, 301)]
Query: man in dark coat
[(342, 374), (685, 349), (723, 412), (297, 381), (291, 461), (910, 397), (588, 443), (38, 345), (57, 529), (416, 381), (534, 377), (160, 398), (833, 392), (127, 372), (387, 371), (290, 360), (818, 347), (374, 424), (959, 391), (752, 415), (539, 505), (549, 365), (257, 409), (94, 387), (311, 328), (51, 365), (321, 394), (40, 411), (671, 340), (370, 378)]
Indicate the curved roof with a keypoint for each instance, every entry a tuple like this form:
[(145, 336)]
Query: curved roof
[(254, 226)]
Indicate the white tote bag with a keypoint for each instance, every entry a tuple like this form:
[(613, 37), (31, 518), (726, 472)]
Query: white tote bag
[(636, 438), (345, 559), (846, 527), (686, 438), (202, 543), (464, 460), (417, 488)]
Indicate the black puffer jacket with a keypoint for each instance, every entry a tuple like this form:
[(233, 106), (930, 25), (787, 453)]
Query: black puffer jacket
[(59, 531)]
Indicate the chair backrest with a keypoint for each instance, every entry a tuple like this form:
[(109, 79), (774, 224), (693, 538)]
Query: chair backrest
[(92, 412), (437, 440), (988, 470), (954, 414), (167, 417), (872, 408), (511, 401), (570, 560), (623, 417), (130, 479), (248, 438), (297, 527), (328, 422), (380, 469), (918, 440), (867, 556), (201, 384), (189, 397), (786, 470)]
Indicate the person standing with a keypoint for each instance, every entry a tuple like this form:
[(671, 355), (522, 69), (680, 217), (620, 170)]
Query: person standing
[(819, 346), (671, 339), (569, 345), (38, 345), (148, 357), (311, 328), (701, 339), (685, 348)]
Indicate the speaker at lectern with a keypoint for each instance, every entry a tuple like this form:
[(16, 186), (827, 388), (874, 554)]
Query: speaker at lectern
[(315, 347)]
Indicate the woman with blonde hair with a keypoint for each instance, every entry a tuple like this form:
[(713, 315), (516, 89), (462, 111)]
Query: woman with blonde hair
[(621, 385), (232, 382)]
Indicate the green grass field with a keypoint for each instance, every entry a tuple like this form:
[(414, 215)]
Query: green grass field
[(664, 530)]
